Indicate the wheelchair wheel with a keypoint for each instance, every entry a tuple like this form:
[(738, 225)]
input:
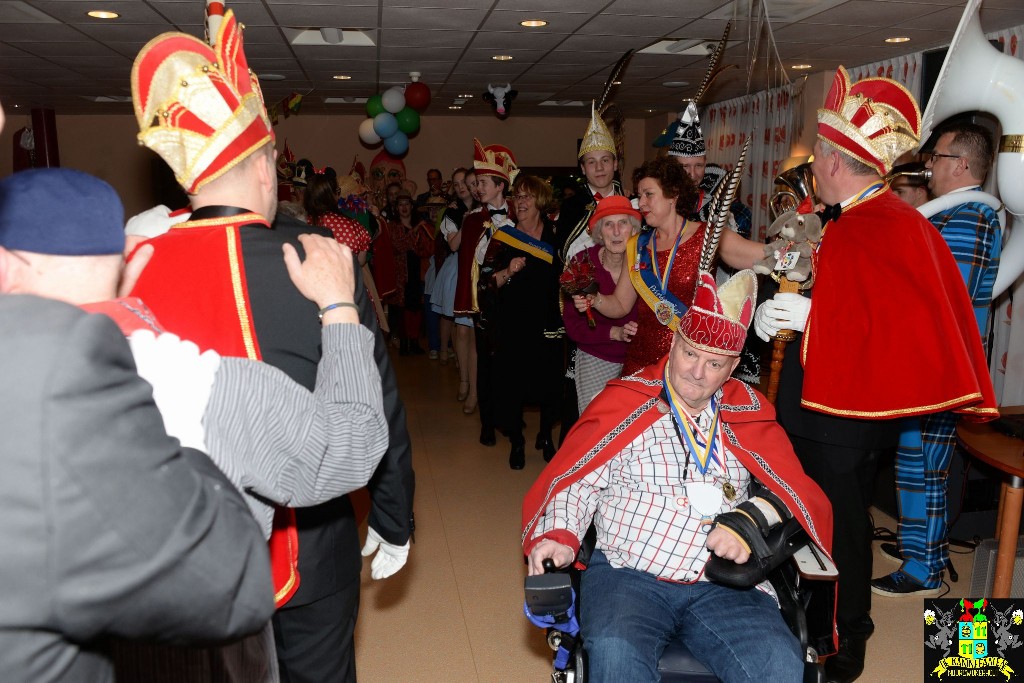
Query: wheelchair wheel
[(580, 664), (554, 639)]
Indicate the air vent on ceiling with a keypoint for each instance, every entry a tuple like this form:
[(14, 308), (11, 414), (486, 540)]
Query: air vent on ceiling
[(345, 100), (561, 103), (688, 46), (313, 36), (17, 12), (107, 98)]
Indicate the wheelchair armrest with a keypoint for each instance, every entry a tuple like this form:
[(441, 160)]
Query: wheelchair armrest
[(548, 594), (782, 542)]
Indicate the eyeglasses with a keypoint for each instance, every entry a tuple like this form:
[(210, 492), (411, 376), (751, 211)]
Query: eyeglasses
[(935, 155), (522, 197)]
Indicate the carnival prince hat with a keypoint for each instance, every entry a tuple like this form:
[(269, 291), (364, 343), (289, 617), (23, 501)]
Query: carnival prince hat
[(689, 138), (875, 120), (200, 108), (494, 160), (718, 319)]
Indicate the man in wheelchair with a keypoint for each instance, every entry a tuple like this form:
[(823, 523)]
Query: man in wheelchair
[(683, 472)]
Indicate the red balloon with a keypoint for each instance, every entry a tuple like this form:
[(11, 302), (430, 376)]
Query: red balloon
[(417, 96)]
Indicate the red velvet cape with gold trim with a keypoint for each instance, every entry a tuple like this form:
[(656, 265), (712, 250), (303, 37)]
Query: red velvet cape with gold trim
[(891, 331), (629, 405), (207, 254), (465, 285)]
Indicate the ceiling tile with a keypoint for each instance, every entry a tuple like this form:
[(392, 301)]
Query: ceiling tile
[(74, 11), (417, 38), (337, 15), (562, 22), (418, 18), (250, 14)]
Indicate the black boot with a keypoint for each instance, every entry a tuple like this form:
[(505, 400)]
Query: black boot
[(848, 663), (487, 437), (545, 444), (517, 458)]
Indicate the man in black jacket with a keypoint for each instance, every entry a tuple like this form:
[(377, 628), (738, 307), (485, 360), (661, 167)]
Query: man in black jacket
[(219, 280)]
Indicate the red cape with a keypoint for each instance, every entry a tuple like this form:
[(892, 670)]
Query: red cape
[(629, 405), (196, 281), (892, 332), (465, 286)]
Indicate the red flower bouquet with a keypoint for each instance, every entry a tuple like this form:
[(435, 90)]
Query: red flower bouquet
[(579, 279)]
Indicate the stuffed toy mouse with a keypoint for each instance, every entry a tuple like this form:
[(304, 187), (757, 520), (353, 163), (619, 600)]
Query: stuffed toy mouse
[(797, 236)]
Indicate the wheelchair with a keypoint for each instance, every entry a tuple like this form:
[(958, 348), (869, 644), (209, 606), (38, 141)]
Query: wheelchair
[(550, 599)]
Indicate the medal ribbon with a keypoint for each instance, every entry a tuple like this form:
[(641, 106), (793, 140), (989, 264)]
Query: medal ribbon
[(663, 279), (645, 282), (691, 434)]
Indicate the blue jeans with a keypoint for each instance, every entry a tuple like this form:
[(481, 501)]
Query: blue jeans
[(628, 617)]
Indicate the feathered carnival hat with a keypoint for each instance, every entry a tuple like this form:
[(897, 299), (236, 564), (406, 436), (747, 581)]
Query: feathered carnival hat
[(718, 319), (597, 138), (875, 120), (494, 160), (689, 139), (200, 108)]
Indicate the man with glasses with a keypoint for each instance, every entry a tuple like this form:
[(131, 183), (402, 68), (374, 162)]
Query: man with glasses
[(959, 163)]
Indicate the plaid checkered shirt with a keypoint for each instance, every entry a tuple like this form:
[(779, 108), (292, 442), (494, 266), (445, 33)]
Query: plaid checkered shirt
[(639, 504)]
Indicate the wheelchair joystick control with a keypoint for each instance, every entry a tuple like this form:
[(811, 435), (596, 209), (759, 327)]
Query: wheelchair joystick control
[(548, 564)]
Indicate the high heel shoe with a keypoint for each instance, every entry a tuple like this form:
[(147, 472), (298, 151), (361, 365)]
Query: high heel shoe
[(469, 407), (463, 390)]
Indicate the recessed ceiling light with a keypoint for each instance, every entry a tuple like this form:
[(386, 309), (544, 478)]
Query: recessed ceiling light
[(342, 77), (466, 96), (898, 39), (533, 23), (455, 106), (800, 67), (616, 82), (502, 58), (270, 77), (102, 14), (651, 111), (676, 84)]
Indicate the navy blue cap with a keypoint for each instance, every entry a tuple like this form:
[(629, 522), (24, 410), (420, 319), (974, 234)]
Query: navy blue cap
[(62, 212)]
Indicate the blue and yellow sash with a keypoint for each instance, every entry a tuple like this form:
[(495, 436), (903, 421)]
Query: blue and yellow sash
[(645, 278), (520, 240)]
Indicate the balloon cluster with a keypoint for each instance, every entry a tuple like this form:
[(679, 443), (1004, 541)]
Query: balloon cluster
[(394, 116)]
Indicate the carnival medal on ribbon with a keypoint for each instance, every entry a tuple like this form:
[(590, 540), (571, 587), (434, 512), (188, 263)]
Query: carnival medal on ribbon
[(703, 448), (663, 310)]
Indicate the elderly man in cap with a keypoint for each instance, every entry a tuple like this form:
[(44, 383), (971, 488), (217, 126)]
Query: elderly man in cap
[(845, 382), (112, 529), (277, 442), (672, 464), (219, 280)]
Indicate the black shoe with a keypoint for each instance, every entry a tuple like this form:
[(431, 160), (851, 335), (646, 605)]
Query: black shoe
[(901, 585), (487, 436), (889, 551), (517, 458), (415, 349), (548, 447), (848, 663), (539, 443)]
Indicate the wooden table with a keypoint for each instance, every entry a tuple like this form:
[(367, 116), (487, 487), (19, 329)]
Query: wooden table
[(1006, 454)]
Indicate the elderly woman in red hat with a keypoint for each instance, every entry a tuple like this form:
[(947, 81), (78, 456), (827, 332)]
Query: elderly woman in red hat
[(601, 347)]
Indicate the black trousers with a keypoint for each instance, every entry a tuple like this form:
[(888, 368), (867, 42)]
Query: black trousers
[(847, 477), (485, 380), (314, 641)]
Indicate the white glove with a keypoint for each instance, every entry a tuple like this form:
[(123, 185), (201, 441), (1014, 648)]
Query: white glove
[(182, 380), (787, 311), (389, 560), (154, 222)]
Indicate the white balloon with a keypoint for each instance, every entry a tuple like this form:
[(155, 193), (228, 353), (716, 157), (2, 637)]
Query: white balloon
[(393, 100), (367, 134)]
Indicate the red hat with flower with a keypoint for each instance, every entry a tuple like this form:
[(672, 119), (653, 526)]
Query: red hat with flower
[(718, 319)]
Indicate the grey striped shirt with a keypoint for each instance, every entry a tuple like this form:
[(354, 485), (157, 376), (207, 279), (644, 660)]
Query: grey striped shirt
[(282, 445)]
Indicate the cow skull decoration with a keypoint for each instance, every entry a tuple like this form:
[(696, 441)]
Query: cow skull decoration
[(501, 99)]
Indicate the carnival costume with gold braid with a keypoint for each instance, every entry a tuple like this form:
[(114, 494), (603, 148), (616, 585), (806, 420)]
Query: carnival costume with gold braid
[(201, 109), (909, 305)]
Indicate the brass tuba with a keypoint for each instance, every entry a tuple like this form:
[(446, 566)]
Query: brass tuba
[(800, 182)]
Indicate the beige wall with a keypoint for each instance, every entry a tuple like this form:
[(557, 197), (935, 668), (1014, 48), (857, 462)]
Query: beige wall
[(106, 145)]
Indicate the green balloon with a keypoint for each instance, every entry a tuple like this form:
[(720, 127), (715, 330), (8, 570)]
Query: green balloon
[(408, 120), (374, 106)]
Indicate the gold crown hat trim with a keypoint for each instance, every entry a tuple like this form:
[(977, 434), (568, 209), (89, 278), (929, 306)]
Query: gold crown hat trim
[(875, 120), (200, 108), (597, 138), (496, 160)]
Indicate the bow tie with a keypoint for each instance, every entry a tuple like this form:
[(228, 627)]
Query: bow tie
[(831, 213), (598, 197), (499, 212)]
